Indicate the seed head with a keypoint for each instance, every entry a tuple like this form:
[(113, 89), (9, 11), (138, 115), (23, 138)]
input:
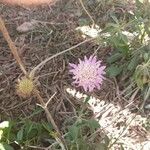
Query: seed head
[(25, 87)]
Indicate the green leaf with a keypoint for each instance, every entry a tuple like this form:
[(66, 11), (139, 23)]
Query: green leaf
[(8, 132), (113, 70), (110, 28), (146, 56), (73, 132), (82, 144), (30, 127), (37, 111), (133, 63), (33, 133), (47, 126), (124, 38), (32, 130), (107, 140), (93, 124), (83, 21), (20, 134), (87, 99), (114, 18), (5, 147), (114, 57)]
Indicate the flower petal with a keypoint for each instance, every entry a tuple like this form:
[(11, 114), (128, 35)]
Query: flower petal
[(72, 65)]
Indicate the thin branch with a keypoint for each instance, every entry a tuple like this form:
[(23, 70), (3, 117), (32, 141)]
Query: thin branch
[(93, 22), (39, 66), (11, 45), (50, 99), (49, 116), (145, 98), (37, 147)]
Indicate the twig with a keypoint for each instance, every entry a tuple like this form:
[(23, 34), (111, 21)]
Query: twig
[(145, 99), (37, 147), (39, 66), (93, 22), (48, 114), (11, 45), (50, 99)]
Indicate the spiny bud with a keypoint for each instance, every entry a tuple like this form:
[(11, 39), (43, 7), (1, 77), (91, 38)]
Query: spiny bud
[(25, 87)]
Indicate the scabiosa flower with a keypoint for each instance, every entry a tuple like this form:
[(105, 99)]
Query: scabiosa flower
[(88, 73)]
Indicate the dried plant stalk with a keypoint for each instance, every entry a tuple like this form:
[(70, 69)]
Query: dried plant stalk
[(11, 46)]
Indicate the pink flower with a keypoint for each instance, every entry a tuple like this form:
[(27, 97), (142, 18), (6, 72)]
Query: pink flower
[(88, 73)]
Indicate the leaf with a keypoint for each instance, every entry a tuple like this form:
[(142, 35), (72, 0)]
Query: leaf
[(87, 99), (107, 140), (114, 57), (93, 124), (146, 56), (110, 28), (82, 144), (5, 147), (114, 18), (73, 132), (113, 70), (37, 111), (32, 130), (146, 93), (47, 126), (124, 38), (83, 21), (20, 134), (133, 63), (30, 127), (8, 131), (116, 41), (33, 133), (121, 147)]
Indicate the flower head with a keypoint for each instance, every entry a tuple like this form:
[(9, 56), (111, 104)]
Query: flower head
[(88, 73), (25, 87)]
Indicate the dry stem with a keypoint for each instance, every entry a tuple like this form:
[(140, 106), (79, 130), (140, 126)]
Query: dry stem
[(93, 22), (40, 65), (11, 46)]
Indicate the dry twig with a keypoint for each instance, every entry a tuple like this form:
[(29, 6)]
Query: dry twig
[(93, 22), (40, 65)]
